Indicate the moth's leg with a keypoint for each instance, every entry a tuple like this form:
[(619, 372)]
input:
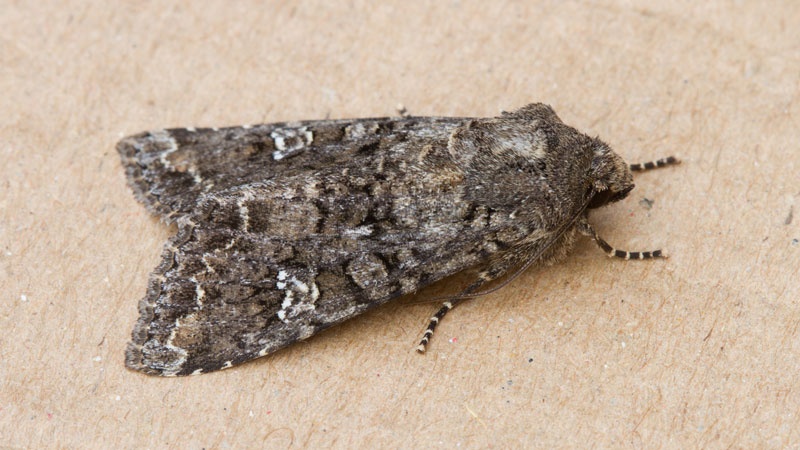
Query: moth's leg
[(485, 276), (650, 165), (587, 230), (446, 306)]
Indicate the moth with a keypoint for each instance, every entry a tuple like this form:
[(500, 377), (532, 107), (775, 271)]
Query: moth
[(286, 229)]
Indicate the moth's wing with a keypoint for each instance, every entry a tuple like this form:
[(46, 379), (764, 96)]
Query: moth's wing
[(262, 264), (222, 296), (170, 169)]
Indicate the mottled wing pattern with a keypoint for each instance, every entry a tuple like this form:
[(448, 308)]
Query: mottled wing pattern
[(170, 169), (287, 229)]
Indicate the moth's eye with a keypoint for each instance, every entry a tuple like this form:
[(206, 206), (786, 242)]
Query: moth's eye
[(600, 199)]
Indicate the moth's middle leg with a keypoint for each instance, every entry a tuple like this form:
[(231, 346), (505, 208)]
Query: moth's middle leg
[(497, 270)]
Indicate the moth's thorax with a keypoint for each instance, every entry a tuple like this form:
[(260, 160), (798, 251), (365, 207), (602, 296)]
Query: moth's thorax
[(527, 166)]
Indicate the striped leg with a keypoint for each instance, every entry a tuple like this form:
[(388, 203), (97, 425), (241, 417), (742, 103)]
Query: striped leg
[(663, 162), (587, 230), (451, 303), (446, 306)]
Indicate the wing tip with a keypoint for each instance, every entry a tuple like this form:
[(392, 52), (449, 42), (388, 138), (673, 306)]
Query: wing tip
[(131, 150)]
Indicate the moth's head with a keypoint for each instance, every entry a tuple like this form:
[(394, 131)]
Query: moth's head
[(611, 178)]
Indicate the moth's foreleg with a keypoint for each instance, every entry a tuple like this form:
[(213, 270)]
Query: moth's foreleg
[(650, 165), (587, 230)]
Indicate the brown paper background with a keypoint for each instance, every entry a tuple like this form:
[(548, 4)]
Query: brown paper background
[(699, 351)]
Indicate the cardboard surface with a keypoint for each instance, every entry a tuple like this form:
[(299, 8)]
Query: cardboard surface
[(699, 351)]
